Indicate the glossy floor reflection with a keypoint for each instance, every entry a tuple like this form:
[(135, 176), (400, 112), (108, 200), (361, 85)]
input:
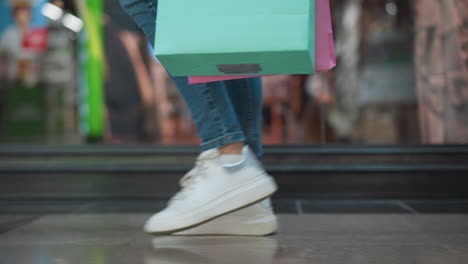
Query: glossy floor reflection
[(82, 236)]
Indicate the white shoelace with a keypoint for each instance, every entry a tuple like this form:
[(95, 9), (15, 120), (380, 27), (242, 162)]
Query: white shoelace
[(190, 179)]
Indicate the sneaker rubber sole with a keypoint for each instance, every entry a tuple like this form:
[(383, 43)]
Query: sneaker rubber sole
[(231, 225), (257, 190)]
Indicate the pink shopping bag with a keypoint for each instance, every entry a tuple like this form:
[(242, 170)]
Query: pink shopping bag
[(325, 57)]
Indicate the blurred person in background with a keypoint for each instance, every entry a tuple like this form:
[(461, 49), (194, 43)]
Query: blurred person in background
[(173, 115), (128, 86), (318, 111), (228, 175), (131, 101), (21, 45)]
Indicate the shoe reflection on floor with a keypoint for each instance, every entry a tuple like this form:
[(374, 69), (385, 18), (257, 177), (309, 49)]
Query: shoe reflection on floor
[(213, 249)]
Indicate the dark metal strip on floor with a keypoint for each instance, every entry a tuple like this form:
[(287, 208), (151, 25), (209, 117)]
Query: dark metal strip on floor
[(115, 168), (282, 206), (32, 150)]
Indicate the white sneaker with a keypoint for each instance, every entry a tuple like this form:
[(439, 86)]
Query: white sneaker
[(256, 220), (212, 189)]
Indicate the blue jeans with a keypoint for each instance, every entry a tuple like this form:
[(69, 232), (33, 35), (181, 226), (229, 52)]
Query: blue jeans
[(224, 112)]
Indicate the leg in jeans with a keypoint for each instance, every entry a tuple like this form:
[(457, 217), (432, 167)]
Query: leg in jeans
[(212, 111), (224, 112), (247, 96)]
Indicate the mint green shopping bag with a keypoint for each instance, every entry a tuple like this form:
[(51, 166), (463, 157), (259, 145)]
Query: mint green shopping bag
[(236, 37)]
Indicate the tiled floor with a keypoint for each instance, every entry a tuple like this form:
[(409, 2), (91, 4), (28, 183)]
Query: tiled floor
[(328, 232)]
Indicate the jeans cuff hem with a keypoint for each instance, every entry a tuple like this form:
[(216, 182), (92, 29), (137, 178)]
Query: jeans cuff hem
[(223, 141)]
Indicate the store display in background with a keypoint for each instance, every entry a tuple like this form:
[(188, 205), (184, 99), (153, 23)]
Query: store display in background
[(347, 16), (60, 71), (387, 95), (23, 41), (442, 69)]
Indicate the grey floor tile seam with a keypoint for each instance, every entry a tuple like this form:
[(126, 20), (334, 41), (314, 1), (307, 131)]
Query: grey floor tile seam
[(83, 207), (356, 206), (299, 209), (292, 206), (12, 225), (407, 207), (39, 207)]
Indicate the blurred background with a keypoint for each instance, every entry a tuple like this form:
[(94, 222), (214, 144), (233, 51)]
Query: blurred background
[(82, 95), (94, 138), (80, 72)]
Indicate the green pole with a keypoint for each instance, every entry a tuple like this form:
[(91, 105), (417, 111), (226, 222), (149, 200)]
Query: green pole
[(92, 119)]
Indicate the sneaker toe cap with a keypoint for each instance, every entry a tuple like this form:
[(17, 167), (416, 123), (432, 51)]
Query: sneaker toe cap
[(161, 221)]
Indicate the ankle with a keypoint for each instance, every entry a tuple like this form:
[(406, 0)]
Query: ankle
[(232, 149)]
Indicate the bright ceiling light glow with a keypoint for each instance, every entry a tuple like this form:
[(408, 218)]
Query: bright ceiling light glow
[(72, 22), (51, 11)]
